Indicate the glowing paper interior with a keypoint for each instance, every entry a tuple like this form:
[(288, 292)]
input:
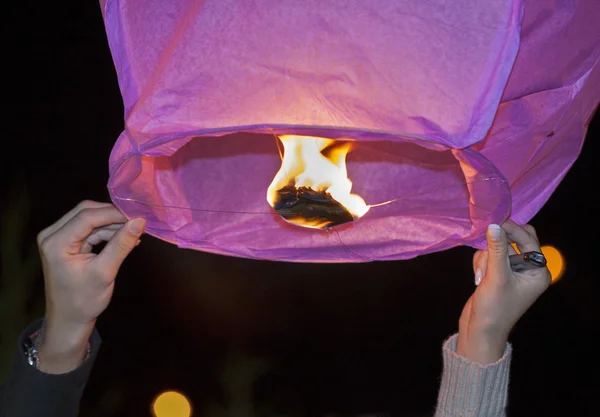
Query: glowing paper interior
[(460, 113)]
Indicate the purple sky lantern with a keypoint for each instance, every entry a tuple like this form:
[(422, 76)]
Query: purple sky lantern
[(346, 130)]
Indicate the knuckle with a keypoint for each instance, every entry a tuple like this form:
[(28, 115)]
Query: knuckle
[(530, 229), (46, 245), (84, 214), (106, 274), (124, 245), (41, 236), (533, 234), (497, 247), (85, 204)]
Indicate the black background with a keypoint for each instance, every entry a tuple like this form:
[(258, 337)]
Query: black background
[(346, 339)]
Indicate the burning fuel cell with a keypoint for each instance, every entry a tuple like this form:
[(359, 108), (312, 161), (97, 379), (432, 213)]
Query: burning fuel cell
[(312, 188)]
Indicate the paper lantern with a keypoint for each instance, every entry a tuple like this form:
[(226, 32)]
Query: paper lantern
[(459, 114)]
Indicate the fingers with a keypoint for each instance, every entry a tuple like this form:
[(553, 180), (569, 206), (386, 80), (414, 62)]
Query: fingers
[(524, 236), (496, 258), (497, 261), (86, 204), (531, 230), (103, 234), (116, 250), (480, 265), (480, 261), (82, 225)]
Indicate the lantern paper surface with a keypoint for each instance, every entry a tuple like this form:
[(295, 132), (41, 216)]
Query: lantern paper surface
[(464, 113)]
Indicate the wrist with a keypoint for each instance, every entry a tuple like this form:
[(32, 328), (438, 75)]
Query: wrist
[(62, 349), (53, 361), (481, 347)]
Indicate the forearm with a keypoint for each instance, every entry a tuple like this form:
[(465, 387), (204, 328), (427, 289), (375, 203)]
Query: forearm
[(469, 389), (31, 392)]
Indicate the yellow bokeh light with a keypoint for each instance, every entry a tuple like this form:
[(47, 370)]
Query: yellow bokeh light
[(171, 404), (555, 262)]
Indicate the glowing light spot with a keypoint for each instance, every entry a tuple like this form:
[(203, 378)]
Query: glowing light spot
[(171, 404), (555, 262), (514, 245)]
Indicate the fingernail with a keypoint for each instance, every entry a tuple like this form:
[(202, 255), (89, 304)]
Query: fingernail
[(478, 276), (136, 226), (138, 242), (494, 231)]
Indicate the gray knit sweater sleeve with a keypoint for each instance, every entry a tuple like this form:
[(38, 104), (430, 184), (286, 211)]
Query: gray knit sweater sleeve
[(469, 389)]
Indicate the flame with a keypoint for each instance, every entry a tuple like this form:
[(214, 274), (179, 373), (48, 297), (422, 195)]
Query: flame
[(319, 164)]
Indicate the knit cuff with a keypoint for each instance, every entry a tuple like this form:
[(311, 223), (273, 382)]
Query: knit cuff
[(469, 389)]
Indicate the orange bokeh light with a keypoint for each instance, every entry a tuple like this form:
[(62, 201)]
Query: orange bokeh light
[(514, 245), (171, 404), (555, 262)]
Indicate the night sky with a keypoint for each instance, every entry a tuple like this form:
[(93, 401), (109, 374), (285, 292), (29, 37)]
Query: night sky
[(345, 339)]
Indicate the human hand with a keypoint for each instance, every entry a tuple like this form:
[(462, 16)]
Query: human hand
[(79, 283), (502, 295)]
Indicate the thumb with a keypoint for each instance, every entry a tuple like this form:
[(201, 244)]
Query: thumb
[(120, 246), (497, 240)]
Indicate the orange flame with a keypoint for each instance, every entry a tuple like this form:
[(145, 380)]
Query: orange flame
[(319, 164)]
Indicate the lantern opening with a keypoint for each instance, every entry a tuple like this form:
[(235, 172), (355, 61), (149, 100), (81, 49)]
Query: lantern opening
[(312, 188), (437, 196)]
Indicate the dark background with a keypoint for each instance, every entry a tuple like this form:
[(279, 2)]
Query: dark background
[(279, 339)]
